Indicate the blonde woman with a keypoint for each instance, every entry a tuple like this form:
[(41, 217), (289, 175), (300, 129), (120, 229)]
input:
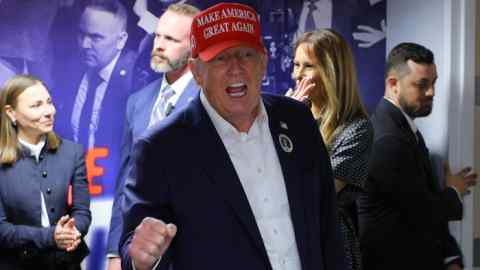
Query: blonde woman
[(325, 76), (39, 227)]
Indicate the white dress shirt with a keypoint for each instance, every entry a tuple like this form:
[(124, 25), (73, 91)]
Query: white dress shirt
[(256, 163)]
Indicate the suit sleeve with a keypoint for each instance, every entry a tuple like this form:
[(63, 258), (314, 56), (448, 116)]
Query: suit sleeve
[(146, 194), (397, 175), (23, 236), (116, 221), (81, 197), (451, 249)]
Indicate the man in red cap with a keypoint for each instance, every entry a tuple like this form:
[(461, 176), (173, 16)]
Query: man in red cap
[(243, 180)]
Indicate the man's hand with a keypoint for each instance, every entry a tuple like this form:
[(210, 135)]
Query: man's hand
[(114, 263), (462, 180), (150, 241)]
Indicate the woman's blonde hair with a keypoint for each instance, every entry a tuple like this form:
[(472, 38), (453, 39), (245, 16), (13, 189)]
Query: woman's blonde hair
[(9, 93), (339, 82)]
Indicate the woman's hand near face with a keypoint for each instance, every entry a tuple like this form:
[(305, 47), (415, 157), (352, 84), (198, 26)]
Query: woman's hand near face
[(302, 90)]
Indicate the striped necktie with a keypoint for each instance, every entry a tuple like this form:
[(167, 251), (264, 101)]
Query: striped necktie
[(163, 108)]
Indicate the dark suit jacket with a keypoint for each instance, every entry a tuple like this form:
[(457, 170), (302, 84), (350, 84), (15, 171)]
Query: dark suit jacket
[(404, 214), (22, 239), (139, 110), (111, 115), (183, 174)]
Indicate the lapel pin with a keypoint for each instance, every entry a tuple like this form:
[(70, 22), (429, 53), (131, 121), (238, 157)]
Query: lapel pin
[(283, 125), (123, 72), (285, 143)]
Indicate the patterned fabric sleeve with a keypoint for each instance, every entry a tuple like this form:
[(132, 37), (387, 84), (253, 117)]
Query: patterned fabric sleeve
[(350, 152)]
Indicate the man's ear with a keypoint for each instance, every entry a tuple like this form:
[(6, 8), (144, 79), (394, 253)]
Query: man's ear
[(392, 84), (194, 66), (122, 40)]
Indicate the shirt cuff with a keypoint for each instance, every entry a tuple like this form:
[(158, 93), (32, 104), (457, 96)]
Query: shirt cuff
[(148, 22), (449, 259), (458, 193)]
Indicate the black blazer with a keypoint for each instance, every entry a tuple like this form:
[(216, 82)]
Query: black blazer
[(24, 243), (183, 174), (404, 213)]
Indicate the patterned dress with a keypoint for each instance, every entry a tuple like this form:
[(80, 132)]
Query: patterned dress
[(349, 155)]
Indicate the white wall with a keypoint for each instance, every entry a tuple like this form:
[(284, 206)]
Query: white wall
[(477, 135), (447, 27)]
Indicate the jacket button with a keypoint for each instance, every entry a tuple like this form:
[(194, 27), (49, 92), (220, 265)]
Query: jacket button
[(49, 190), (40, 157), (52, 209), (44, 173)]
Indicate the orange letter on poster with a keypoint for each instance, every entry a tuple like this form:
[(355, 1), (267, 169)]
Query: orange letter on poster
[(93, 170)]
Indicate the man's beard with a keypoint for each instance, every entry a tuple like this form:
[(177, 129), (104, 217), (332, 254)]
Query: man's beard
[(414, 112), (167, 64)]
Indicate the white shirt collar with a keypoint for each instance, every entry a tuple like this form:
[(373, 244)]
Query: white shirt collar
[(106, 72), (410, 121), (223, 127), (35, 149)]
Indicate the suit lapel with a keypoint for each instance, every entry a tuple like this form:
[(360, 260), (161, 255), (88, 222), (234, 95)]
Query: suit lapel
[(144, 106), (292, 177), (224, 176), (422, 157)]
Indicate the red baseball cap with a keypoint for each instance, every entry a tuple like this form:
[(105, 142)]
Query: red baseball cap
[(223, 26)]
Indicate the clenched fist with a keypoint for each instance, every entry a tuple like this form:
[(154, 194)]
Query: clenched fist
[(150, 241)]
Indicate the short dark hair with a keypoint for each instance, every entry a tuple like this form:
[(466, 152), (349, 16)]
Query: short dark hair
[(114, 7), (400, 54)]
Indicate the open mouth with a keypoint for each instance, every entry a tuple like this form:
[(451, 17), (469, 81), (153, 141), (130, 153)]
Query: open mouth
[(237, 90)]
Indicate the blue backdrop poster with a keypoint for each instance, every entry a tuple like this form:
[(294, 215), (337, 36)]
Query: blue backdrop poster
[(45, 38)]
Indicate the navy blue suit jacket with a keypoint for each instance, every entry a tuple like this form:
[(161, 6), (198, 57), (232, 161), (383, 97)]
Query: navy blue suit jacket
[(139, 109), (183, 175), (22, 238)]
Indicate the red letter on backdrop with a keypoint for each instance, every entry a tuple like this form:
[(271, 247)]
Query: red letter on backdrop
[(93, 170)]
